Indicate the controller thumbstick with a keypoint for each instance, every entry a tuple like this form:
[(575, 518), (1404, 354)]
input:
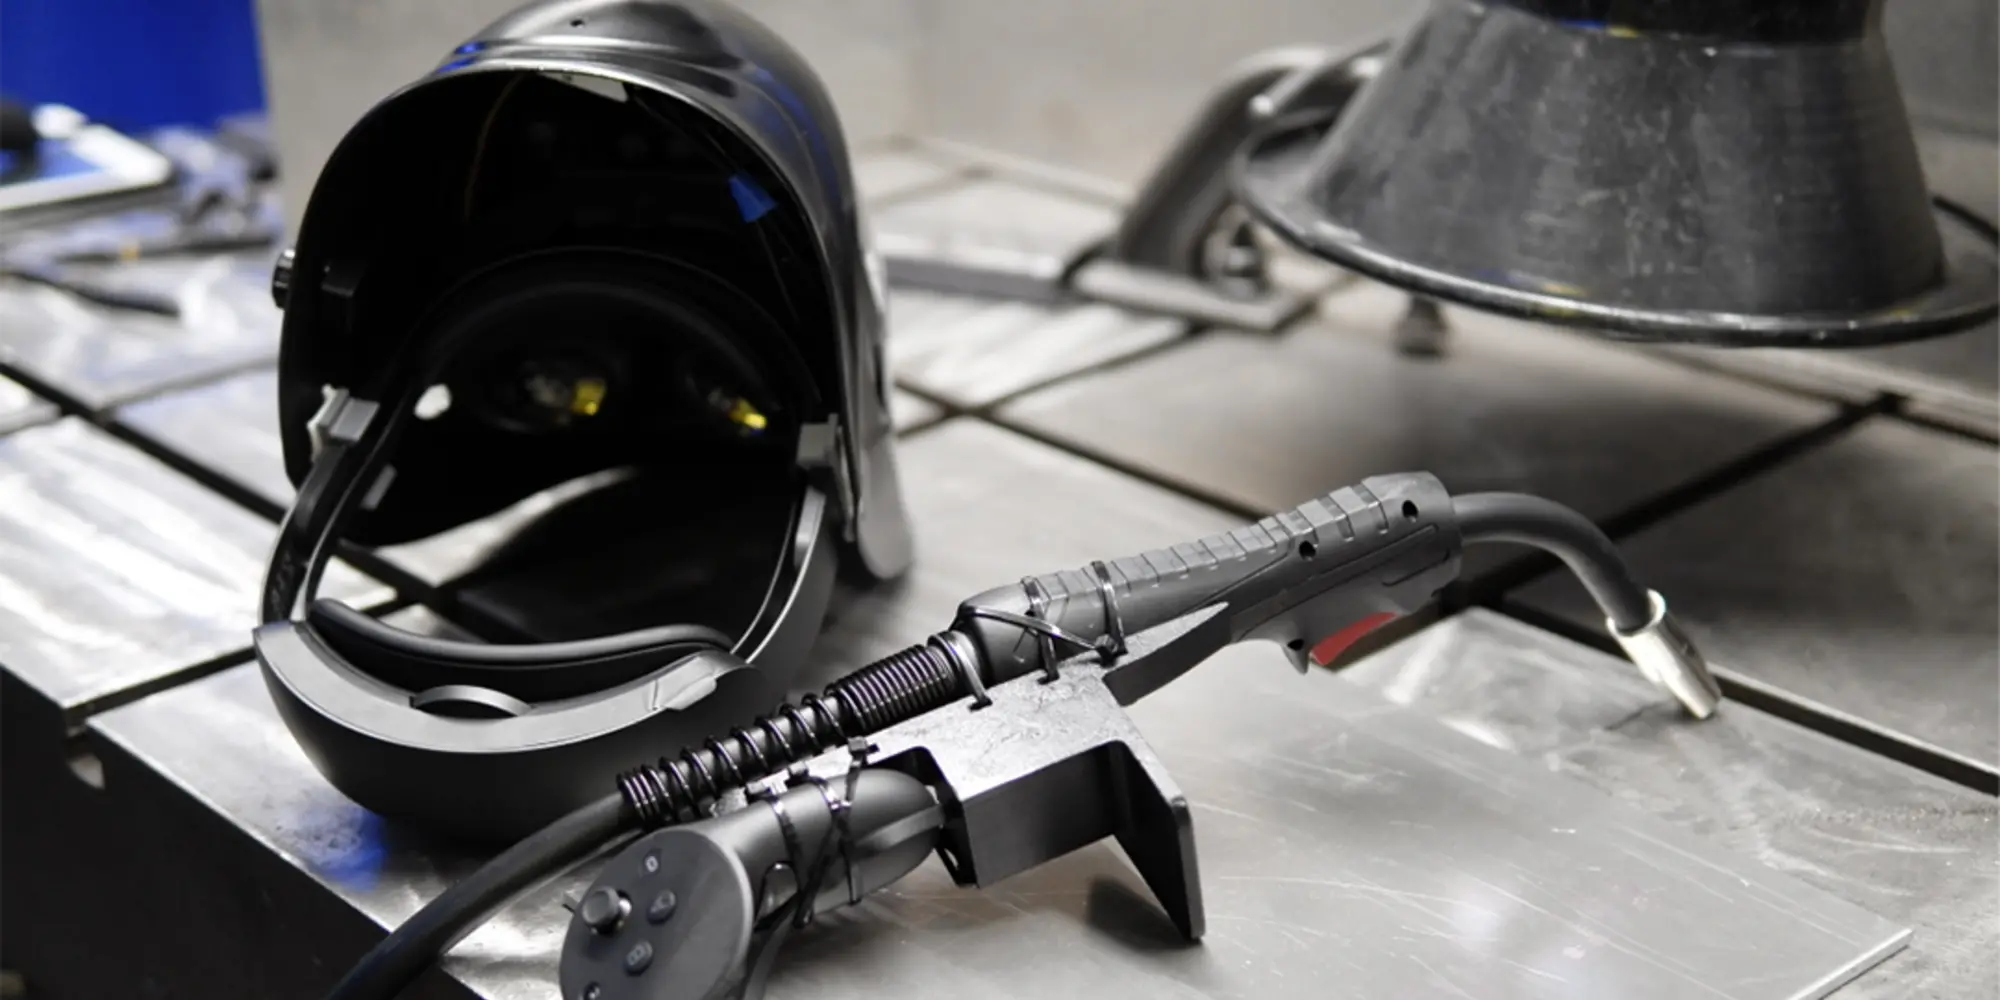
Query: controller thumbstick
[(603, 909)]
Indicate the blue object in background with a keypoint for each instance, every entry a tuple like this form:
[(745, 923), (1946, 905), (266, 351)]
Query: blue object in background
[(133, 64)]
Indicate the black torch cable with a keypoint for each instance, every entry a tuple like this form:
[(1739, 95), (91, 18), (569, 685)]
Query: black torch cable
[(900, 686), (1567, 535)]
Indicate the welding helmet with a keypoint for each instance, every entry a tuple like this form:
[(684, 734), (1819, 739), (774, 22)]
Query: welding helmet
[(601, 235)]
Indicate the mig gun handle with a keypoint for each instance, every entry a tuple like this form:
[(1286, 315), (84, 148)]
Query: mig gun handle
[(1316, 578), (1311, 579)]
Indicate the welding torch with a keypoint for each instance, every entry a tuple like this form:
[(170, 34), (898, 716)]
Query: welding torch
[(732, 813)]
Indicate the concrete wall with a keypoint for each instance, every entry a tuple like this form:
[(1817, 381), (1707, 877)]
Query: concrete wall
[(1102, 85), (1095, 85), (1945, 54)]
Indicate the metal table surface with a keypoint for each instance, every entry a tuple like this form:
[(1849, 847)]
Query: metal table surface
[(997, 224), (1861, 576), (20, 408), (118, 577), (1910, 847), (1343, 838), (1260, 423), (122, 573), (103, 357), (257, 875), (972, 351), (891, 171)]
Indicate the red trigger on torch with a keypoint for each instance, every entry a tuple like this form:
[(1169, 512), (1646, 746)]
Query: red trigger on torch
[(1337, 643)]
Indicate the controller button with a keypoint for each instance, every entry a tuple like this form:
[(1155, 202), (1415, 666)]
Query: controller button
[(640, 956)]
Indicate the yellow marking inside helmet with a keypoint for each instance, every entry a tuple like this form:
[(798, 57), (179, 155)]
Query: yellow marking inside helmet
[(746, 416), (586, 397)]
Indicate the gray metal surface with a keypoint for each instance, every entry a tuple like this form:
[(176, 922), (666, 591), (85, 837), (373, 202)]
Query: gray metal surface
[(909, 411), (1342, 839), (1265, 422), (104, 357), (973, 350), (991, 235), (1902, 844), (229, 426), (885, 173), (1103, 279), (20, 408), (121, 573), (1863, 576)]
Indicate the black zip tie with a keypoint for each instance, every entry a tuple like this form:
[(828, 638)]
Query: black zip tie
[(1114, 624), (1038, 608), (968, 672)]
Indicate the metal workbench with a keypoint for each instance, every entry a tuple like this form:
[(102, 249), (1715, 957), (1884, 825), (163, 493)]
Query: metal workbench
[(1488, 804)]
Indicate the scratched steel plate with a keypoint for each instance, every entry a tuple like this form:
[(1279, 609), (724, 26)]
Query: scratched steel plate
[(229, 426), (885, 174), (20, 408), (995, 224), (1265, 422), (104, 357), (1902, 844), (973, 350), (1345, 842), (1862, 576), (120, 572)]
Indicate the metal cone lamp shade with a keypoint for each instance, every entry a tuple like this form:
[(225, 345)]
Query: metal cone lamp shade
[(1737, 173)]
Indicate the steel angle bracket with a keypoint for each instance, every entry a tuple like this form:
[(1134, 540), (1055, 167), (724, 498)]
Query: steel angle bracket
[(1047, 766)]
